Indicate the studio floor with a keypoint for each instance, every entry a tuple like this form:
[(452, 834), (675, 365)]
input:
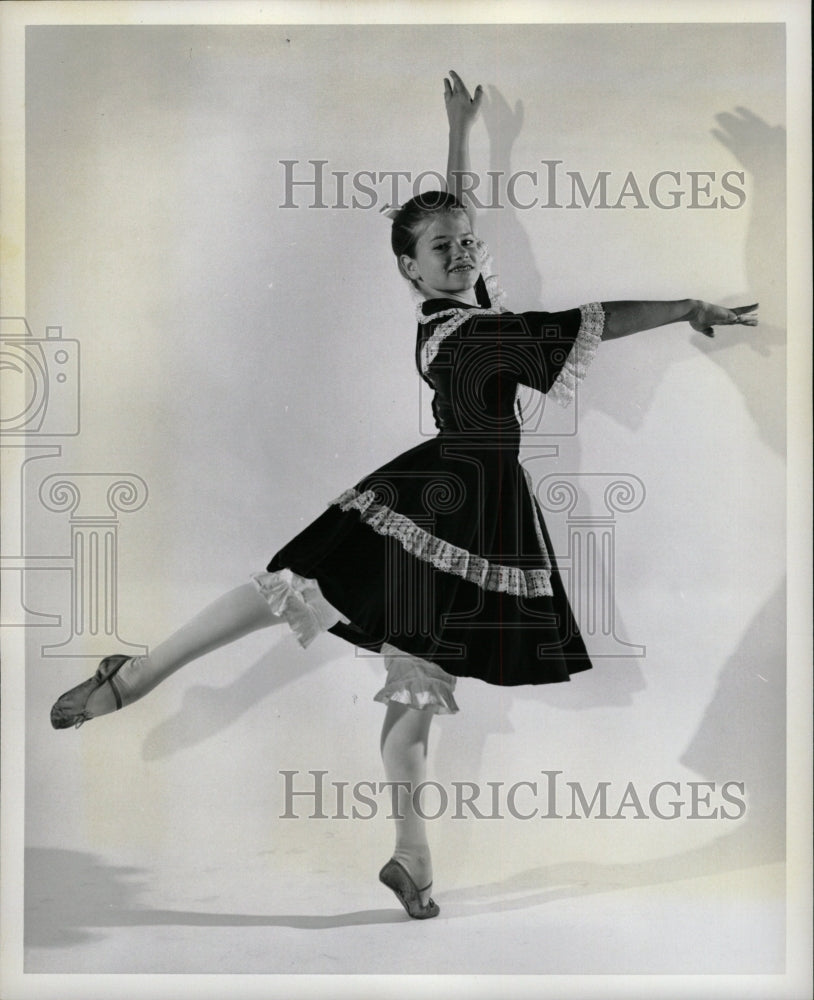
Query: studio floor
[(264, 911), (157, 843)]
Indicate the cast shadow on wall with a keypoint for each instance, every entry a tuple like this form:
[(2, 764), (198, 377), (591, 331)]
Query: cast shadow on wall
[(753, 358), (503, 228)]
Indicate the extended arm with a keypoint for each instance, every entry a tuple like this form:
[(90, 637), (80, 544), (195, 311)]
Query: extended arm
[(462, 110), (621, 318), (624, 318)]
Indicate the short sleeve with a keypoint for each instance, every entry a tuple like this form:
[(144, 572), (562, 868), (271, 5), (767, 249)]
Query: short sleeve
[(547, 351)]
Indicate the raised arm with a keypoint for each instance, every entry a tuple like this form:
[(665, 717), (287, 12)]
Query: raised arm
[(462, 110), (624, 318)]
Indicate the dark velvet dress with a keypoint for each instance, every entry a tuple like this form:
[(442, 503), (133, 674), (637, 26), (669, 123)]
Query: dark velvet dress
[(443, 552)]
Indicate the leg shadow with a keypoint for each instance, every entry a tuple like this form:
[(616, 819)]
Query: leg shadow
[(71, 897)]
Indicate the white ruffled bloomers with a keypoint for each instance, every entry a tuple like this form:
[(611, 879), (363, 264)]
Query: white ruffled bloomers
[(300, 602), (417, 683), (410, 680)]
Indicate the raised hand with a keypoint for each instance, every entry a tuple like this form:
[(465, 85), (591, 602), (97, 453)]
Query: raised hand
[(462, 109), (705, 316)]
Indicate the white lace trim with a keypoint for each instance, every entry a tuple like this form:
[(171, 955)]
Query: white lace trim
[(299, 601), (444, 555), (457, 317), (415, 693), (581, 355), (496, 294), (415, 682)]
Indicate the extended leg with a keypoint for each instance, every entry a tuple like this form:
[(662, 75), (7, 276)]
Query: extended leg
[(404, 752), (235, 614)]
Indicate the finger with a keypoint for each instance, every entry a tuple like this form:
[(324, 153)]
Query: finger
[(447, 88), (740, 310), (459, 82), (708, 331), (734, 319)]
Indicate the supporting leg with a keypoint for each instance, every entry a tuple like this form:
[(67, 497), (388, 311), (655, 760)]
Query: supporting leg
[(404, 753)]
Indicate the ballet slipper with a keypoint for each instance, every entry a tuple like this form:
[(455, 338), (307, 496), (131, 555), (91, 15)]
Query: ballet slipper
[(396, 877), (71, 708)]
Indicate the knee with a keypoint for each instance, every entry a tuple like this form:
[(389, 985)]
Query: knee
[(405, 727)]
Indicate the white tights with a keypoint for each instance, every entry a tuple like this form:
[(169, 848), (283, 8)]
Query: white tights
[(244, 610), (404, 753), (230, 617)]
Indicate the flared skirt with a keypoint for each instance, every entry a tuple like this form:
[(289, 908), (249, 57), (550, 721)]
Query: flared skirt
[(444, 554)]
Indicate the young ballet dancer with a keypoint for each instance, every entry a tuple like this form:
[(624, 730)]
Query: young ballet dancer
[(440, 559)]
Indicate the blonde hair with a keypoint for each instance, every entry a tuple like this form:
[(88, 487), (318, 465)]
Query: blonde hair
[(410, 221)]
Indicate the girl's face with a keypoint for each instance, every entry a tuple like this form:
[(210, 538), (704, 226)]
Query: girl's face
[(447, 259)]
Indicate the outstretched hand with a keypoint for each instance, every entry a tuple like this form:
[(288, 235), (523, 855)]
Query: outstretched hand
[(706, 316), (462, 109)]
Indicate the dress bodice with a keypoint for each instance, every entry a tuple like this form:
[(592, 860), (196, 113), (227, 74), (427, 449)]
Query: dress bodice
[(475, 359)]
